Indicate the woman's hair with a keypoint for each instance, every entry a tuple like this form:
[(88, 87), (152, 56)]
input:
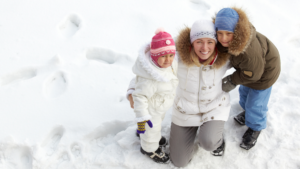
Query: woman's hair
[(194, 57)]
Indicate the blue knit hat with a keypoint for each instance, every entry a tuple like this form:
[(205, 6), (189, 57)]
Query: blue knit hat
[(226, 20)]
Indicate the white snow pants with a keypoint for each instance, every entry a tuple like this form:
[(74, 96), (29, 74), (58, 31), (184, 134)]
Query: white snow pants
[(150, 139)]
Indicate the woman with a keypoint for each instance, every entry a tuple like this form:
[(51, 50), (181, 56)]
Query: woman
[(200, 102)]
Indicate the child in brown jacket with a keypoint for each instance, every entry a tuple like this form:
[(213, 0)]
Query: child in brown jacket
[(257, 64)]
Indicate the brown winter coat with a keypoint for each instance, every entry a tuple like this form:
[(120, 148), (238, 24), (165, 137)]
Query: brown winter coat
[(254, 56)]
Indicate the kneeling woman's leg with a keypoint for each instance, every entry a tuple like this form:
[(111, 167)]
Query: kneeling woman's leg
[(182, 144), (211, 135)]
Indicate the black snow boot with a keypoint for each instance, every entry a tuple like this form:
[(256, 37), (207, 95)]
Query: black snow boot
[(220, 150), (158, 156), (240, 118), (249, 139), (163, 142)]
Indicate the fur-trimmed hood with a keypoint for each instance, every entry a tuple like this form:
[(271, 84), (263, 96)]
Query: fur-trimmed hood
[(254, 57), (243, 33), (183, 47), (144, 67)]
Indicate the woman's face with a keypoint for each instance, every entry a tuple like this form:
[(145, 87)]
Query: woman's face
[(204, 47)]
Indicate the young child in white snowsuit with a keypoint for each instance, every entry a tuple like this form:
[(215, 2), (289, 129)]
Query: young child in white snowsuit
[(155, 85)]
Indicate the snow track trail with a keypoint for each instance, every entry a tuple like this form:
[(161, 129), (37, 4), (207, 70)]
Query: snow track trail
[(55, 85), (20, 75), (105, 55), (70, 25)]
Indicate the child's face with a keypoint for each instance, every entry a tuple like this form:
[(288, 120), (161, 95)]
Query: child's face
[(204, 47), (224, 37), (165, 60)]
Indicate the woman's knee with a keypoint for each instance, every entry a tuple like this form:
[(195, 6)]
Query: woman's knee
[(209, 144), (179, 161)]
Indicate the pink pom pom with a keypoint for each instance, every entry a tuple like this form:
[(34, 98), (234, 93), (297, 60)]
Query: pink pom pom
[(159, 30)]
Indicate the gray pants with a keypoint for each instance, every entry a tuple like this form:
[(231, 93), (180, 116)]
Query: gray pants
[(182, 140)]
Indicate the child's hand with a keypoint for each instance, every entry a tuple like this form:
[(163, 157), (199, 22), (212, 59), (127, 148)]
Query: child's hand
[(227, 84), (141, 126), (131, 101)]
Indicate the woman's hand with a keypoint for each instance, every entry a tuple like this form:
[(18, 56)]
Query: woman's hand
[(131, 101)]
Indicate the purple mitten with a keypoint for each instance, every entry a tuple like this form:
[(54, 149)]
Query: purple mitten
[(150, 123), (141, 126)]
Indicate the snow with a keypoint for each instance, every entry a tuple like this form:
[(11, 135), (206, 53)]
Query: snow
[(65, 67)]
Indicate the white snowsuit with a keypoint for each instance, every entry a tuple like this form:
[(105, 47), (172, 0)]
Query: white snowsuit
[(154, 94)]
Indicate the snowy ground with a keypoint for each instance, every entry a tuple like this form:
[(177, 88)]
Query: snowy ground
[(65, 67)]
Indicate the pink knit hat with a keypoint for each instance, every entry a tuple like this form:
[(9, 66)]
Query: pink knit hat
[(162, 44)]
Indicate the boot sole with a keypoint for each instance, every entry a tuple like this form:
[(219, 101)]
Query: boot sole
[(239, 122), (220, 155), (247, 147), (167, 162)]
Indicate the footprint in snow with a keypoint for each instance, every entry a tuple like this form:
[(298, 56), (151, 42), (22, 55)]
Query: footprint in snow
[(70, 25), (127, 139), (78, 158), (62, 161), (103, 137), (19, 75), (76, 150), (53, 139), (108, 129), (18, 157), (104, 55), (63, 157), (55, 85)]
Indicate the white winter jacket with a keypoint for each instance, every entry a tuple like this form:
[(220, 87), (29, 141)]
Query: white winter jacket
[(199, 96), (154, 87)]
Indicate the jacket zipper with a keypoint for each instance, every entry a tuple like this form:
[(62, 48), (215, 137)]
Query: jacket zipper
[(198, 103)]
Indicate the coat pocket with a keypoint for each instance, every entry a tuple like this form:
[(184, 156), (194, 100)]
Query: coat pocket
[(186, 107), (178, 114), (222, 100)]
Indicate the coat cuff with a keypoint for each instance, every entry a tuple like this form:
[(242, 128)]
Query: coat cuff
[(129, 92), (143, 118), (230, 81), (235, 79)]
